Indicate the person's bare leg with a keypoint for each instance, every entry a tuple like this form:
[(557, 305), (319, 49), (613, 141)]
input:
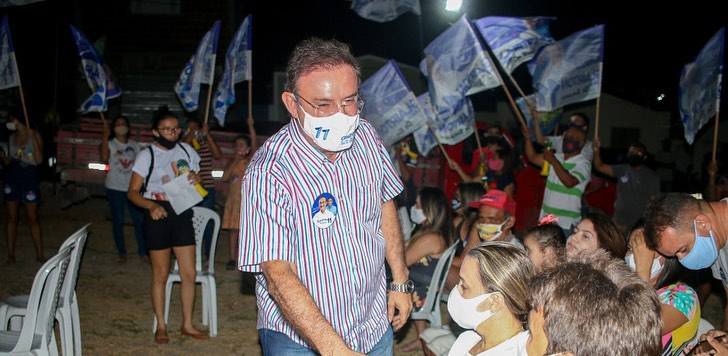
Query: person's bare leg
[(31, 209), (233, 253), (416, 344), (186, 258), (12, 229), (160, 272)]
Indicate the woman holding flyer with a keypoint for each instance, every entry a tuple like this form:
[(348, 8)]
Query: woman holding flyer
[(164, 229)]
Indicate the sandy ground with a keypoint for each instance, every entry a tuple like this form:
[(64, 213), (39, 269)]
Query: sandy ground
[(114, 299)]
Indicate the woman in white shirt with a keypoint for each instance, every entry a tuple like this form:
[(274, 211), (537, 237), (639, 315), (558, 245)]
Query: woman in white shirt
[(120, 153), (166, 231), (491, 301)]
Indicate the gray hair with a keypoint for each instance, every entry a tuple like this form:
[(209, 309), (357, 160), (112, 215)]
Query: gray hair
[(315, 53)]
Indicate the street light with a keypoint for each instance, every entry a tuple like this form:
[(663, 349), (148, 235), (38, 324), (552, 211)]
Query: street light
[(453, 5)]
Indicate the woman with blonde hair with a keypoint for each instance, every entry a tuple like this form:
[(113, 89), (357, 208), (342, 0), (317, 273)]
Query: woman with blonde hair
[(491, 301)]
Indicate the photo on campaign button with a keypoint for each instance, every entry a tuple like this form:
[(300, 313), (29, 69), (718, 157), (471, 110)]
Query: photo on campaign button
[(324, 210)]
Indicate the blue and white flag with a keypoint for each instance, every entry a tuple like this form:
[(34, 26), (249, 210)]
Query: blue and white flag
[(390, 105), (547, 120), (238, 67), (9, 76), (454, 129), (384, 10), (198, 70), (699, 93), (514, 40), (98, 75), (456, 67), (569, 71)]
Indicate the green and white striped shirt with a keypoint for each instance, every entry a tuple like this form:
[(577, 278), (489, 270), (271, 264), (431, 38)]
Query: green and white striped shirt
[(564, 202)]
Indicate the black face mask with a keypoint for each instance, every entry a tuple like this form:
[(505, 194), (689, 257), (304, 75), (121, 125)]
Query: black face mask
[(635, 160), (570, 146), (165, 142), (491, 140)]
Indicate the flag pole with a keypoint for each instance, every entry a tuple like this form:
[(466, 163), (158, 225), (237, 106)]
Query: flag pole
[(438, 143), (209, 87), (250, 97), (505, 88), (596, 125), (717, 118), (20, 87)]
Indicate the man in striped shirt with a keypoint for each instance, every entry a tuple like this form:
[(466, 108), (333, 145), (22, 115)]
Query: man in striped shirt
[(321, 280), (569, 173)]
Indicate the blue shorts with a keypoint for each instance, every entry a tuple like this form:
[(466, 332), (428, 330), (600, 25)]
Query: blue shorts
[(21, 183)]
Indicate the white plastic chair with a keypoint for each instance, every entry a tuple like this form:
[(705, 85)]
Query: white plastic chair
[(201, 216), (67, 312), (36, 337), (431, 309)]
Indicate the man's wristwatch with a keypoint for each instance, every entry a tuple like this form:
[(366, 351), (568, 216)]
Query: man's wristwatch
[(407, 287)]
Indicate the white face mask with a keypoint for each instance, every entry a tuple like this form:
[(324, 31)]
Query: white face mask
[(455, 204), (121, 130), (465, 311), (332, 133), (490, 232), (417, 215), (11, 126), (654, 271)]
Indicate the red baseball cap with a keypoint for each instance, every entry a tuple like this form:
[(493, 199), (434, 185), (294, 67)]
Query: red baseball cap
[(497, 199)]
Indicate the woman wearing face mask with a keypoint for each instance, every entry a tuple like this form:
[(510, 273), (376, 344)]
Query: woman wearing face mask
[(234, 172), (429, 240), (679, 302), (22, 183), (120, 152), (165, 230), (491, 301), (596, 231), (545, 244), (499, 173)]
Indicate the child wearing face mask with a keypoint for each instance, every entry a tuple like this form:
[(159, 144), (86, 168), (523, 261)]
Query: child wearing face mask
[(491, 301), (680, 306), (234, 172), (119, 151)]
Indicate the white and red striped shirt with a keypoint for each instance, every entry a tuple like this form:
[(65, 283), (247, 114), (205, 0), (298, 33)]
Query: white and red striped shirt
[(342, 266)]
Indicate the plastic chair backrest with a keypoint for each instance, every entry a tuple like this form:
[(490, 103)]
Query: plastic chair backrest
[(69, 283), (200, 217), (439, 277), (44, 293)]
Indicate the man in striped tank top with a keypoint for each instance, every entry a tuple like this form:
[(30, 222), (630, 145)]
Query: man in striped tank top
[(569, 173), (198, 136), (321, 276)]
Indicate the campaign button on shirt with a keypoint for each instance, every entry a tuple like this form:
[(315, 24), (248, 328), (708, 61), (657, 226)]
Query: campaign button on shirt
[(324, 210)]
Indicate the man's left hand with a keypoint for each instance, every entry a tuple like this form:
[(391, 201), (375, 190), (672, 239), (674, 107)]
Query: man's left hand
[(548, 156), (403, 303)]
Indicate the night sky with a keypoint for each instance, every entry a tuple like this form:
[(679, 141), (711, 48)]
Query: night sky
[(646, 45)]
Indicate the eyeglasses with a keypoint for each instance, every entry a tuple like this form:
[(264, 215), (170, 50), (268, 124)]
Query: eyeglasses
[(350, 106), (169, 129)]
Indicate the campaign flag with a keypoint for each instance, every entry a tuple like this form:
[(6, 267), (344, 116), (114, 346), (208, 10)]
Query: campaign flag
[(390, 105), (9, 76), (454, 128), (98, 75), (456, 67), (238, 67), (547, 120), (384, 10), (514, 40), (569, 71), (699, 92), (198, 70)]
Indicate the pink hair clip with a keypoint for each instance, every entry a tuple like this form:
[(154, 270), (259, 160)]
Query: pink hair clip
[(548, 219)]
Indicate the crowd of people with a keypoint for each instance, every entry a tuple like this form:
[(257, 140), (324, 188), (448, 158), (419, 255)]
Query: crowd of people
[(344, 246)]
